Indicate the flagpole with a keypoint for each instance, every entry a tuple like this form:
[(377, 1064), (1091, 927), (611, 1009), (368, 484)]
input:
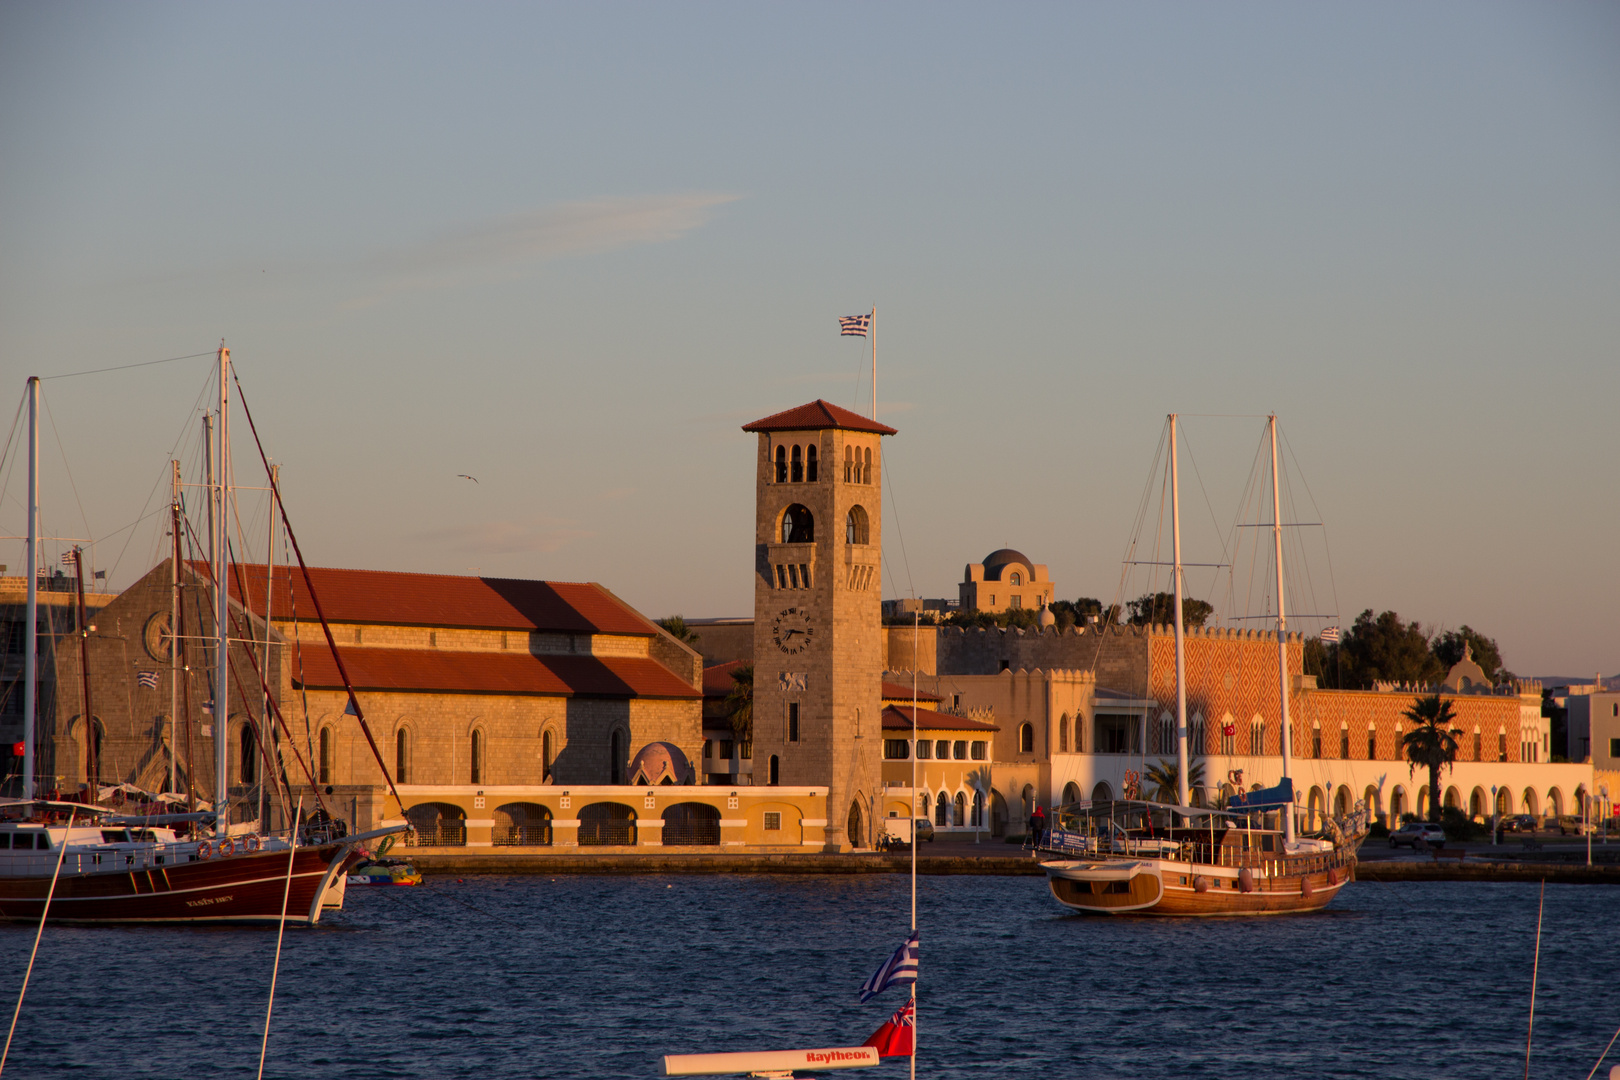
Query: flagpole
[(916, 623), (874, 376)]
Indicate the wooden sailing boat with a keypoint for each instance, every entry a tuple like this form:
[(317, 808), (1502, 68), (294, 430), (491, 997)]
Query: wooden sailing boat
[(90, 864), (1143, 858)]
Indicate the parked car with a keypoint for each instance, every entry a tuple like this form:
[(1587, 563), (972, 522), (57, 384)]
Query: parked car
[(897, 837), (1409, 834), (1520, 823), (1571, 825)]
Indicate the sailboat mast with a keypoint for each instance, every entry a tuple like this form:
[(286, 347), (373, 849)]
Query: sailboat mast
[(31, 649), (1282, 625), (265, 730), (174, 630), (222, 695), (1181, 652), (92, 753)]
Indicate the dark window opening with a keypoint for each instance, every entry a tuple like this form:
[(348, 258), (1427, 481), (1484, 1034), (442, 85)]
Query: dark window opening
[(810, 473), (781, 465), (797, 475), (798, 525), (793, 721)]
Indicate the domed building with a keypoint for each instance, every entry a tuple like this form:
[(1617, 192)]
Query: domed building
[(1005, 580)]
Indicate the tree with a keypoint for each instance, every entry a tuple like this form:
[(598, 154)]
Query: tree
[(740, 702), (1163, 775), (1448, 650), (676, 627), (1078, 612), (1153, 609), (1385, 648), (1431, 744)]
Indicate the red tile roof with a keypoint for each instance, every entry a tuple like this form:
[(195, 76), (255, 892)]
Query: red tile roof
[(717, 680), (899, 717), (430, 670), (816, 416), (896, 692), (385, 596)]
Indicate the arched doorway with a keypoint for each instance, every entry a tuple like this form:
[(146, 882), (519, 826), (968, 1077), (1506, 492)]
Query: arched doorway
[(691, 825), (853, 831), (1313, 807), (1341, 803), (438, 824), (607, 824), (1371, 795), (1102, 792), (1071, 792), (998, 814), (1555, 803), (1397, 804), (1453, 800), (1476, 803), (521, 825), (1532, 804)]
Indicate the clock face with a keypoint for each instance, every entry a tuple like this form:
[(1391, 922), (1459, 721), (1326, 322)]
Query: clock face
[(157, 638), (792, 631)]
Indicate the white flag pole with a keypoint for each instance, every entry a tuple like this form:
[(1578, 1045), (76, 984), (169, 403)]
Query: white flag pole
[(873, 321)]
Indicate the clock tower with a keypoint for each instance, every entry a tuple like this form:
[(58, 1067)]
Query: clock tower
[(818, 651)]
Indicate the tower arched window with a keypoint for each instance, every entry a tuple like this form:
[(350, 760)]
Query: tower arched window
[(849, 462), (810, 473), (250, 753), (402, 753), (866, 472), (616, 758), (856, 530), (798, 526), (1026, 739), (325, 759), (781, 465), (797, 474), (475, 759), (545, 755)]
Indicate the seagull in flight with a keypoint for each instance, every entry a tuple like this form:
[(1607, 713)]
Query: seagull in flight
[(464, 476)]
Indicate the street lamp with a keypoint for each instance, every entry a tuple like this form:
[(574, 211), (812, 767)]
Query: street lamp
[(1495, 817)]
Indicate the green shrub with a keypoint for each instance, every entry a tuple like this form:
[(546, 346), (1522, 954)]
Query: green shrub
[(1459, 826)]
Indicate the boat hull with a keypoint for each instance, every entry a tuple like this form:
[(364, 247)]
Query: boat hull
[(234, 889), (1176, 888)]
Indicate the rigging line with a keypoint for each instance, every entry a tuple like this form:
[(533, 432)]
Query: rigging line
[(125, 367), (83, 517), (16, 419), (281, 929), (1117, 609), (130, 528), (898, 532), (263, 734), (1332, 582), (44, 911), (1603, 1055), (1207, 504)]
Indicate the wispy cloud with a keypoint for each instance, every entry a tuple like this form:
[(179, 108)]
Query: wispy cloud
[(501, 245), (519, 536)]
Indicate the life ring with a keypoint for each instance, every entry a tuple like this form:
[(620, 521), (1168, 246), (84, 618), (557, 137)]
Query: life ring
[(250, 844), (227, 846), (205, 850)]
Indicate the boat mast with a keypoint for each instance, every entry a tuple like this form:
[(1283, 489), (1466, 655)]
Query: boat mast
[(222, 613), (92, 764), (1181, 653), (31, 647), (174, 630), (1282, 626), (265, 730)]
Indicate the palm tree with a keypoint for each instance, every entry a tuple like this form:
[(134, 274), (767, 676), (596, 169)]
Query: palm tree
[(1432, 743), (1164, 776), (676, 627), (740, 703)]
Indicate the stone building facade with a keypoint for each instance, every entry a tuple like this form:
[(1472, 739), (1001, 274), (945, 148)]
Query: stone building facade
[(1005, 581)]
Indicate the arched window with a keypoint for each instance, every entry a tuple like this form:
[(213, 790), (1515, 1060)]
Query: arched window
[(942, 811), (978, 809), (402, 751), (1257, 736), (959, 817), (250, 753), (1079, 734), (1344, 741), (855, 527), (1063, 735), (1071, 793), (1017, 578), (866, 472), (797, 475), (475, 760), (849, 454), (781, 465), (325, 756), (545, 755), (1026, 739), (521, 825), (1195, 737), (798, 526), (1316, 741), (776, 770), (810, 471), (616, 758)]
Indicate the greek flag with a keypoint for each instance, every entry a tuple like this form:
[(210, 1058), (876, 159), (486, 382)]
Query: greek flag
[(854, 325), (1330, 636), (148, 679), (899, 968)]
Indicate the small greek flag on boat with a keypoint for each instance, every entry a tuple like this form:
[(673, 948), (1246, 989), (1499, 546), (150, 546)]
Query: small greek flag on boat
[(148, 679), (899, 968), (208, 707), (1330, 636), (854, 325)]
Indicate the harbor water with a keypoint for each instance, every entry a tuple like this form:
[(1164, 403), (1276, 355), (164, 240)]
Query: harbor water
[(598, 976)]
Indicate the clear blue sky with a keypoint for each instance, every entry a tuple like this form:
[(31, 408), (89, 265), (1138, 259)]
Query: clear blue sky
[(569, 249)]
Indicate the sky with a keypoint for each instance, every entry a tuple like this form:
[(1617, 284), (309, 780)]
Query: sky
[(570, 249)]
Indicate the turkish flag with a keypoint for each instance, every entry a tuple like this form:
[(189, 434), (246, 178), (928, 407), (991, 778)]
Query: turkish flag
[(897, 1036)]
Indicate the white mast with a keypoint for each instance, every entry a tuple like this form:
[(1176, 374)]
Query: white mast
[(264, 661), (31, 657), (222, 612), (873, 321), (1282, 626), (174, 633), (1181, 655)]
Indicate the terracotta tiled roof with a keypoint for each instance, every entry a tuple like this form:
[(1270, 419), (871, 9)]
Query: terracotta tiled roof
[(717, 680), (816, 416), (899, 717), (896, 692), (385, 596), (444, 671)]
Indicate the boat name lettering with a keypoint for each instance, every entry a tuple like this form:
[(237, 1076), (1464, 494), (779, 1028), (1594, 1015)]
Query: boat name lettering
[(207, 900)]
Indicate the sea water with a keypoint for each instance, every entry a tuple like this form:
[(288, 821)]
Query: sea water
[(599, 976)]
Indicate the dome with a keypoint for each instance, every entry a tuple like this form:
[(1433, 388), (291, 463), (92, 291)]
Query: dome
[(994, 561), (660, 763)]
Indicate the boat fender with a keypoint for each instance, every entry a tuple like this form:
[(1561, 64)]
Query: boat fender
[(227, 846), (1305, 886), (1201, 884), (205, 850), (1246, 879), (250, 844)]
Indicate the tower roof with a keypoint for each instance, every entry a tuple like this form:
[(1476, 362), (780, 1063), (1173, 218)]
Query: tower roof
[(816, 416)]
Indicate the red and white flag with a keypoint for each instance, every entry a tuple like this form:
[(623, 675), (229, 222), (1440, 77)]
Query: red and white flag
[(898, 1035)]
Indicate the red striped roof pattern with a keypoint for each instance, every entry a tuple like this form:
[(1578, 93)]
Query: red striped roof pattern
[(816, 416), (443, 671), (387, 596)]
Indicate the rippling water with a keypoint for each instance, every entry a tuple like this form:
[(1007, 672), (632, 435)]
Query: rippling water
[(495, 977)]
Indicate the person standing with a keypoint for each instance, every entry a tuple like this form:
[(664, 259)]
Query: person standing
[(1037, 826)]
